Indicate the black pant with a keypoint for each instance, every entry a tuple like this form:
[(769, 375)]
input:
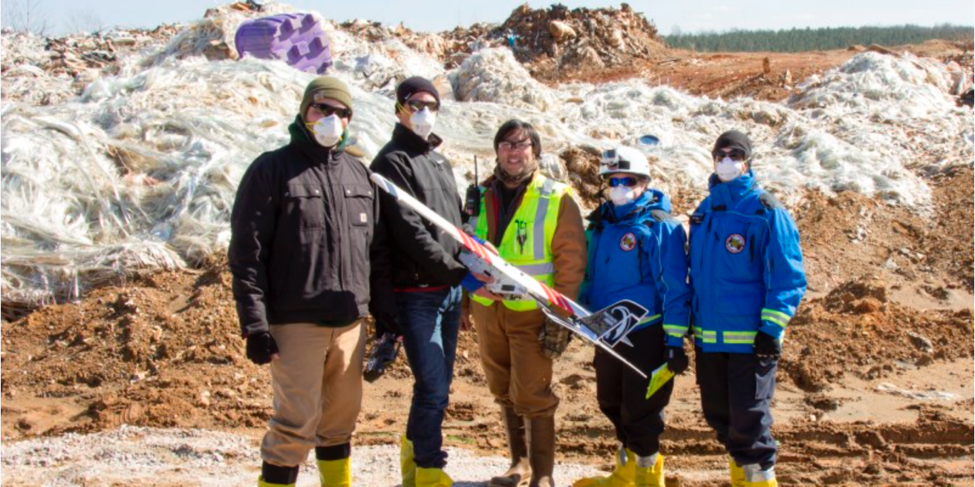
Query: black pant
[(736, 395), (622, 393)]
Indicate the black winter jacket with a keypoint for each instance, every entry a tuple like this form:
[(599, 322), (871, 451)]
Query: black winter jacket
[(422, 254), (307, 242)]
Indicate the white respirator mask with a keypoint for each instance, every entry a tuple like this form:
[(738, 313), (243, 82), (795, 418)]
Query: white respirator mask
[(423, 122), (327, 130), (728, 169), (622, 195)]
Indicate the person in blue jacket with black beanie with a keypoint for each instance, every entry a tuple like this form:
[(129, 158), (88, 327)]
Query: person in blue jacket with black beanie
[(748, 279), (637, 252)]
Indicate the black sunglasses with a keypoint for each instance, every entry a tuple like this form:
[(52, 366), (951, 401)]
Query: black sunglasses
[(417, 105), (328, 110), (734, 154)]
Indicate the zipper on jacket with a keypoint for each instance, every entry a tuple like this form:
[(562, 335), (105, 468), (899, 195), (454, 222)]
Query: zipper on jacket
[(751, 250), (335, 207)]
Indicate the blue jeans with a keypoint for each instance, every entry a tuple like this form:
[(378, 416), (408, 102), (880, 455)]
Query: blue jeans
[(429, 322)]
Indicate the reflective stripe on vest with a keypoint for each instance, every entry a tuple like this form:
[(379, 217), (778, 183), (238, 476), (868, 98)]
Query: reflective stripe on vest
[(527, 240)]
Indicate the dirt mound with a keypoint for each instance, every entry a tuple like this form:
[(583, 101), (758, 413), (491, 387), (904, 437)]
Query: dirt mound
[(163, 350), (853, 236), (857, 329)]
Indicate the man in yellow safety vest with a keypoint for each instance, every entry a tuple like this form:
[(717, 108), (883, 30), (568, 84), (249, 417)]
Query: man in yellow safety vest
[(536, 225)]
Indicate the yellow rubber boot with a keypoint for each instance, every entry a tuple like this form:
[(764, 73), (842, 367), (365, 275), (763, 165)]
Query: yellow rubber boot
[(262, 483), (407, 464), (432, 477), (650, 471), (335, 473), (756, 477), (624, 475), (737, 474)]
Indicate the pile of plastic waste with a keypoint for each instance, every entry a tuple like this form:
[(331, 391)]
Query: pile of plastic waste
[(140, 169)]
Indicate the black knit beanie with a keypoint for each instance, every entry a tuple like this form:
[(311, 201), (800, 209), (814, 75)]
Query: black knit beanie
[(416, 84), (734, 139)]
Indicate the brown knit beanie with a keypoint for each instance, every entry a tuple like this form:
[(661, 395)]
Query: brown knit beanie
[(325, 87)]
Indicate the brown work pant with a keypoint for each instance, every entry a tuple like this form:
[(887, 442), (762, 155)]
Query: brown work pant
[(317, 389), (518, 374)]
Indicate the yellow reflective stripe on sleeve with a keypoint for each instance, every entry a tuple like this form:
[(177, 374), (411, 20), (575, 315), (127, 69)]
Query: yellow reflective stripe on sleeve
[(675, 330), (738, 337), (777, 317), (706, 336)]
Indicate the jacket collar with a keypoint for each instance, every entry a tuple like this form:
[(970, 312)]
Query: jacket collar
[(730, 193), (406, 137)]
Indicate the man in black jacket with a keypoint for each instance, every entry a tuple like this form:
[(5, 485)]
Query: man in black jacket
[(426, 274), (307, 251)]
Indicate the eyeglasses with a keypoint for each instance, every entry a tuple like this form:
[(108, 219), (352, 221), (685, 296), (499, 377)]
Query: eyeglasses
[(417, 105), (329, 110), (613, 161), (734, 154), (516, 145), (628, 181)]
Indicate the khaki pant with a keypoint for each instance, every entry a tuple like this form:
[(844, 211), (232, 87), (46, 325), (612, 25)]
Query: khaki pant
[(317, 389), (518, 374)]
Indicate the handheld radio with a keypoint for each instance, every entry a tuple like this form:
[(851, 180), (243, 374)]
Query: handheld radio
[(472, 200)]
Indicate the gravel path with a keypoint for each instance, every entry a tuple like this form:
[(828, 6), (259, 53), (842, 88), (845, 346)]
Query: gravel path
[(169, 457)]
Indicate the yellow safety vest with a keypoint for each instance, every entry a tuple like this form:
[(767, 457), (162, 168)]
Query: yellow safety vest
[(527, 241)]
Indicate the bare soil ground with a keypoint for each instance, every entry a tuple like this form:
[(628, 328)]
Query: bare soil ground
[(875, 385), (730, 75)]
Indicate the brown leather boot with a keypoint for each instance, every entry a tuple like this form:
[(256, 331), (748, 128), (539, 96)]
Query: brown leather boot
[(541, 451), (520, 471)]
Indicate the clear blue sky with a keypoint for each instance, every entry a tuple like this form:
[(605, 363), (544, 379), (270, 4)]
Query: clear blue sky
[(438, 15)]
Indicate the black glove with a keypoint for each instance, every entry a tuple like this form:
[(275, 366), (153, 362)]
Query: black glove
[(386, 323), (766, 346), (676, 360), (260, 347)]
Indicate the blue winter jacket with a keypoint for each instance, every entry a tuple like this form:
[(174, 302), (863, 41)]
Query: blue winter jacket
[(746, 266), (637, 252)]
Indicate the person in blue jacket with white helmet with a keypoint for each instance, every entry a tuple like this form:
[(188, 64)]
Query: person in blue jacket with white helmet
[(637, 252), (748, 279)]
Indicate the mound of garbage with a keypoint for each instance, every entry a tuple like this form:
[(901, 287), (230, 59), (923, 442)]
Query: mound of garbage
[(580, 38), (141, 156)]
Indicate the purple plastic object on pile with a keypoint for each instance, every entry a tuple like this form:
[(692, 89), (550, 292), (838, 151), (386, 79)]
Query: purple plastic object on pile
[(297, 39)]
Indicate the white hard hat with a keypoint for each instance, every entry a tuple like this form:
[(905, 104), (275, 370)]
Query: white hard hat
[(624, 159)]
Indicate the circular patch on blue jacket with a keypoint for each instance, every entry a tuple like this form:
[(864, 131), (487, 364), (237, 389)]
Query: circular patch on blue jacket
[(735, 243), (628, 242)]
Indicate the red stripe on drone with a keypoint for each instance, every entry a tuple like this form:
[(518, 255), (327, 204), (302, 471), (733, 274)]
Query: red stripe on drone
[(557, 298), (565, 303), (473, 246)]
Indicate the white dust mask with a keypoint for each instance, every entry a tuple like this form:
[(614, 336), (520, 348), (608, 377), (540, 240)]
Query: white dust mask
[(622, 195), (728, 169), (423, 122), (327, 130)]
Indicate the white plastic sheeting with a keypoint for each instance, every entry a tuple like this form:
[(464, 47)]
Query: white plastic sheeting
[(142, 169)]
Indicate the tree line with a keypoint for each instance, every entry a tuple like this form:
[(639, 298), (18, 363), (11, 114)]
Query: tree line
[(809, 39)]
